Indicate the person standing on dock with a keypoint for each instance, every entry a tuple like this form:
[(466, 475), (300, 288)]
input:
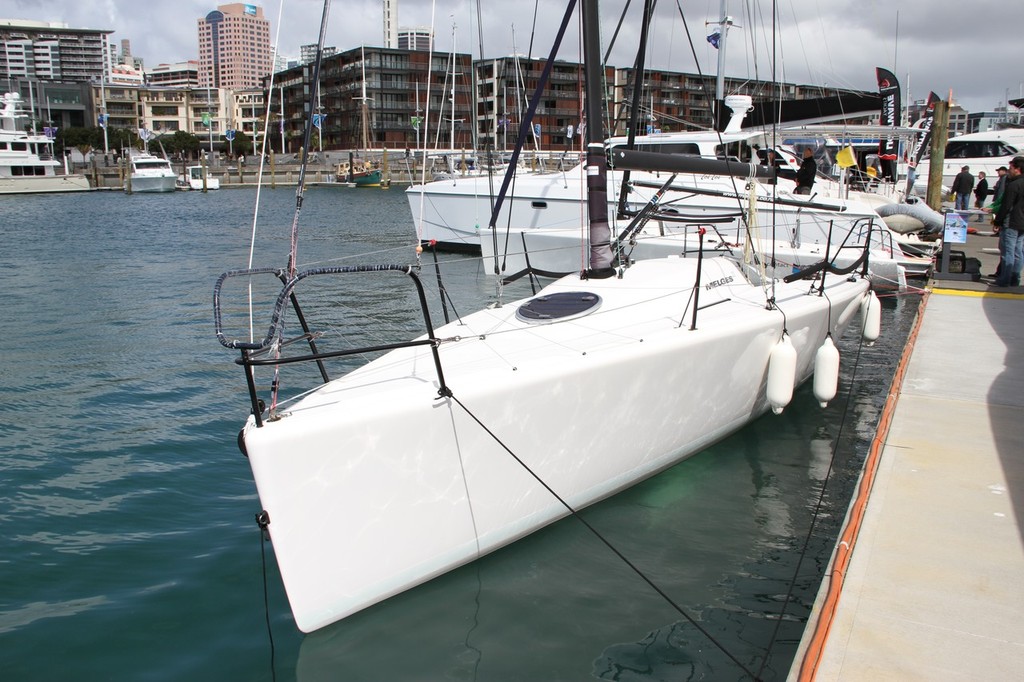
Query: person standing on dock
[(963, 183), (980, 193), (997, 195), (993, 208), (1010, 220)]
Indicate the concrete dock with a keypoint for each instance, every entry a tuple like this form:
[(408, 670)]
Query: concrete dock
[(932, 587)]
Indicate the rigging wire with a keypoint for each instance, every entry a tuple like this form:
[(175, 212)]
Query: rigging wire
[(300, 189), (307, 136), (263, 521), (262, 165), (819, 504), (426, 127)]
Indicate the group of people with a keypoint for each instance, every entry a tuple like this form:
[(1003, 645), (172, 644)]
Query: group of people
[(963, 186), (1008, 221), (1007, 210)]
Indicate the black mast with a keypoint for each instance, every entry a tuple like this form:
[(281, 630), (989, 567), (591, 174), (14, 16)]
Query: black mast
[(597, 167)]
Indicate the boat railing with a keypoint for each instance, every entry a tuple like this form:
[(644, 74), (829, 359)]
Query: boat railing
[(267, 351), (861, 242), (866, 232)]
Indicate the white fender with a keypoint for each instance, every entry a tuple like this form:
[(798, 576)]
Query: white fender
[(781, 374), (872, 318), (826, 372)]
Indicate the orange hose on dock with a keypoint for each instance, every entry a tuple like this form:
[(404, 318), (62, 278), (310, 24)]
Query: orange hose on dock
[(816, 646)]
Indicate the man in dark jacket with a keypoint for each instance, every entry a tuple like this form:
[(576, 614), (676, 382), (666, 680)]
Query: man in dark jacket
[(980, 192), (963, 183), (808, 170), (997, 191), (1011, 226)]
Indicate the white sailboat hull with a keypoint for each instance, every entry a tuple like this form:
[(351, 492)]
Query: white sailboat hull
[(374, 484), (455, 214)]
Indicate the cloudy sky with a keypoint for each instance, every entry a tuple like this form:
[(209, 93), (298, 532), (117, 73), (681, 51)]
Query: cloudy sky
[(972, 48)]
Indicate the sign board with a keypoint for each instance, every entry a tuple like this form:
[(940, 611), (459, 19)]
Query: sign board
[(230, 134), (955, 228)]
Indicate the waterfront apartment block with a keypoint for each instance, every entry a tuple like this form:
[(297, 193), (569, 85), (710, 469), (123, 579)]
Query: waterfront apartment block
[(375, 98), (234, 47)]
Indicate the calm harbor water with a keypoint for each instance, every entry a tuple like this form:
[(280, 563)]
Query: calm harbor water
[(131, 552)]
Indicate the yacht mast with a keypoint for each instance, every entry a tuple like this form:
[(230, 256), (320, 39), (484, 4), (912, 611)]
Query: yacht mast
[(597, 167), (723, 27), (364, 99)]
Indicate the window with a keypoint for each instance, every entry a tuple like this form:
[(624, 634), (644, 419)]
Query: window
[(979, 149)]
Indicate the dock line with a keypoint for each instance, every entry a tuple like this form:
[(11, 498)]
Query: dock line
[(848, 538)]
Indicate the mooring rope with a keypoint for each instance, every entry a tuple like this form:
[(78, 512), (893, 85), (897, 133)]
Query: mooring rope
[(263, 521), (820, 501), (607, 543)]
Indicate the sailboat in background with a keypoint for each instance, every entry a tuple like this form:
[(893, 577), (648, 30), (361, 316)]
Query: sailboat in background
[(359, 172), (475, 434)]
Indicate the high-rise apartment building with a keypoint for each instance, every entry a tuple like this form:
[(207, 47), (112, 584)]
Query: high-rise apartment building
[(234, 47), (416, 38), (51, 51)]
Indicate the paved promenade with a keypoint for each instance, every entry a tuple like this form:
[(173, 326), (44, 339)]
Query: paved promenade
[(934, 585)]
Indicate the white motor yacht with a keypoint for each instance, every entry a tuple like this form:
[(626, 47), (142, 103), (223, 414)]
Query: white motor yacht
[(150, 174), (27, 163)]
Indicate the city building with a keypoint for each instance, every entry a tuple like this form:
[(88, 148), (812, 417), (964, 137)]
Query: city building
[(60, 104), (205, 112), (249, 114), (126, 74), (119, 103), (416, 38), (391, 24), (126, 56), (396, 101), (164, 111), (504, 87), (307, 53), (399, 116), (177, 75), (234, 47), (958, 123), (52, 51)]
